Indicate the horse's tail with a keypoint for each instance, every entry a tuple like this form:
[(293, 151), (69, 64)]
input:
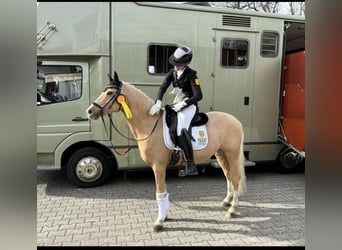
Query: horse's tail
[(242, 181)]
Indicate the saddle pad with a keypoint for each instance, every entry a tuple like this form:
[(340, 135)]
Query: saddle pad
[(199, 133)]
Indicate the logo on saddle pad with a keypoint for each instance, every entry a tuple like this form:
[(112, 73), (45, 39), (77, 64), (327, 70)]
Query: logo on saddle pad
[(199, 133)]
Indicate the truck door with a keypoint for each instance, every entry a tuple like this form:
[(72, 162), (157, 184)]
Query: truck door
[(62, 98), (233, 75)]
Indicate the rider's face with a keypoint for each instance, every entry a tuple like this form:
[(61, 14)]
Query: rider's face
[(177, 68)]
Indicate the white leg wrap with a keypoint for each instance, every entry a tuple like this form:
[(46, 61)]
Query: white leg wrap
[(163, 204)]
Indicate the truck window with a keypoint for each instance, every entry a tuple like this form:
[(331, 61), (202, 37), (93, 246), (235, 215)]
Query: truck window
[(158, 58), (234, 53), (269, 44), (56, 83)]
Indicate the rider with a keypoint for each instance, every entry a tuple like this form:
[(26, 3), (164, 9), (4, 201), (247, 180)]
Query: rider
[(188, 93)]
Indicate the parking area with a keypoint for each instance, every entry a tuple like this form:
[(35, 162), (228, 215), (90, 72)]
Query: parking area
[(121, 213)]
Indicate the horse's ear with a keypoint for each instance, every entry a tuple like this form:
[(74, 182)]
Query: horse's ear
[(116, 77), (110, 78)]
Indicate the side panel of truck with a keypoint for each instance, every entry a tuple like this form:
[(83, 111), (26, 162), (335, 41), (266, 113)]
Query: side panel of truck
[(232, 88)]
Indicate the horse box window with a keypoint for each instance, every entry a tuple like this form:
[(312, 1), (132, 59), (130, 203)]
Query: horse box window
[(158, 58), (269, 44), (56, 83), (234, 53)]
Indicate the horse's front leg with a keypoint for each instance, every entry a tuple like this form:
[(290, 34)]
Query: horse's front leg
[(162, 196)]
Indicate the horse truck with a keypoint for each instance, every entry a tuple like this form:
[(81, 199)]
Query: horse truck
[(250, 64)]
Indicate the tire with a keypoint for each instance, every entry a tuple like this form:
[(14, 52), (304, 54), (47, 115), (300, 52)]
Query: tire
[(89, 167), (289, 161)]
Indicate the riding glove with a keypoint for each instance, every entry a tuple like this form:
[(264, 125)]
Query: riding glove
[(155, 108), (178, 106)]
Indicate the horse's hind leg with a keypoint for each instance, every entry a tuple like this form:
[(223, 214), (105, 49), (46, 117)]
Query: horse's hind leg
[(222, 160), (230, 167), (227, 201), (237, 183)]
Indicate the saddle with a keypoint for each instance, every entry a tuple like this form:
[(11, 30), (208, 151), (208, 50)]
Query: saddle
[(171, 121)]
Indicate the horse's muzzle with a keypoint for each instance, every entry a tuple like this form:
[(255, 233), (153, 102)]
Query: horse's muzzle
[(91, 114)]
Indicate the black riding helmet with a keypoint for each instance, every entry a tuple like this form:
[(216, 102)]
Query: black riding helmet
[(182, 56)]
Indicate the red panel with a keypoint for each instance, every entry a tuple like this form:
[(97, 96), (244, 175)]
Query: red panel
[(294, 129), (293, 109), (294, 101), (295, 69)]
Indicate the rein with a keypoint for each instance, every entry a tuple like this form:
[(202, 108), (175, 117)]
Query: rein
[(128, 138)]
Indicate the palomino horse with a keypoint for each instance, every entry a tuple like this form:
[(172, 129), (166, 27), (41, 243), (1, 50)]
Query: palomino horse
[(225, 141)]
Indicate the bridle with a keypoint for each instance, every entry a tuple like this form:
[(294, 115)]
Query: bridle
[(116, 84), (113, 99)]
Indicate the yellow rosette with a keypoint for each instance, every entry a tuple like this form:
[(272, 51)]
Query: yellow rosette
[(122, 100)]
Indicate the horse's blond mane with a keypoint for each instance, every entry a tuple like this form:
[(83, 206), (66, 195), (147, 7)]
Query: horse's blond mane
[(138, 90)]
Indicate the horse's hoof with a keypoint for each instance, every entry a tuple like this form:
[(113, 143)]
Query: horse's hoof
[(231, 215), (157, 225)]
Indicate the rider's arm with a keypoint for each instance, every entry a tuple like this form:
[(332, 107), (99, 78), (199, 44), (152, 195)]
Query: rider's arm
[(166, 83), (196, 89)]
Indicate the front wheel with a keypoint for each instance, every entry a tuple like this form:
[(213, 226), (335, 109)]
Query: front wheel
[(89, 167), (289, 161)]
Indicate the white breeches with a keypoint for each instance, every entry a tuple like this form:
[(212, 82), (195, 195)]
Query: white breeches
[(184, 118)]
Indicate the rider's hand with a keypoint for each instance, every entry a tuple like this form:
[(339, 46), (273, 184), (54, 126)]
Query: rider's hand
[(155, 108), (178, 106)]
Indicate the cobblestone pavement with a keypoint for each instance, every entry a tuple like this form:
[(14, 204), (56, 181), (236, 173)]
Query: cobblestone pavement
[(121, 213)]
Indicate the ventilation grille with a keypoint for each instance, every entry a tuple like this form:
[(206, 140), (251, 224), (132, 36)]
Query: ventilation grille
[(236, 21)]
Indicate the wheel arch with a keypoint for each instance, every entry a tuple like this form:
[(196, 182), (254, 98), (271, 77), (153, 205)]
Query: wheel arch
[(70, 150)]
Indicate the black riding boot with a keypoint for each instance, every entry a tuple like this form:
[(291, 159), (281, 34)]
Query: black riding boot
[(185, 143)]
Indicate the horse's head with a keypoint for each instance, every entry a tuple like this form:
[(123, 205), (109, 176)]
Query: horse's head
[(110, 100)]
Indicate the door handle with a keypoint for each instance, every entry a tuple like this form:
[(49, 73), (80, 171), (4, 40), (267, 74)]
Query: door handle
[(246, 100), (79, 119)]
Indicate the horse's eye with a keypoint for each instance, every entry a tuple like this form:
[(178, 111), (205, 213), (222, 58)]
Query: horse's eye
[(110, 92)]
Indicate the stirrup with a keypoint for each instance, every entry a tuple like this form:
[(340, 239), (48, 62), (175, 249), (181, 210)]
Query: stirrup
[(182, 172)]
